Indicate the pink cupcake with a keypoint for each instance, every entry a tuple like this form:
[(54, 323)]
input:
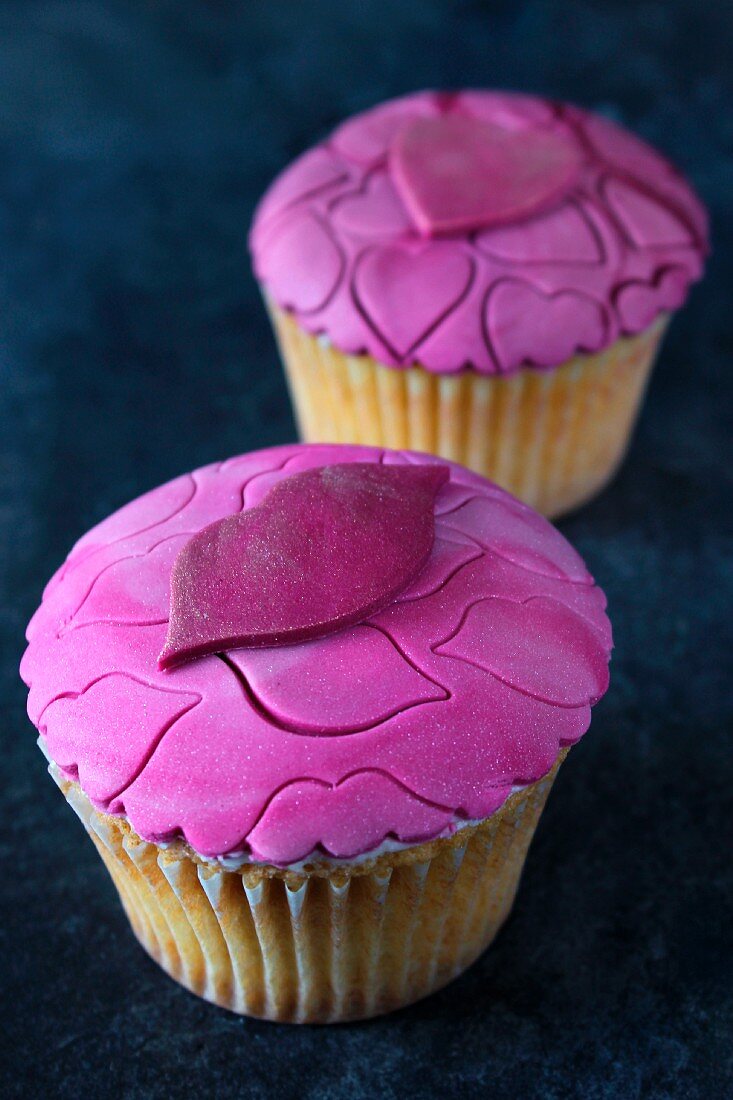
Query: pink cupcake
[(308, 704), (480, 275)]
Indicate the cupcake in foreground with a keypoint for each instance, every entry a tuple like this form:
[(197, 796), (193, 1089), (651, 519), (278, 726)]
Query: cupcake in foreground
[(480, 275), (309, 703)]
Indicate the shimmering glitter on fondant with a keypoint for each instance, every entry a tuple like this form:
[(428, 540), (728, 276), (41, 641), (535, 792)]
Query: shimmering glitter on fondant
[(325, 549), (430, 710)]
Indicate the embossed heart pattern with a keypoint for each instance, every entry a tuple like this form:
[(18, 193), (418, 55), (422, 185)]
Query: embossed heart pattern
[(392, 237), (456, 173)]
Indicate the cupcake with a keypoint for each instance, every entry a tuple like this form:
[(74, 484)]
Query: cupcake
[(308, 704), (480, 275)]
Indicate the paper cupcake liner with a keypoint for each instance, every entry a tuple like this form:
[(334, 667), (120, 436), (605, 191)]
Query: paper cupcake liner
[(552, 438), (330, 943)]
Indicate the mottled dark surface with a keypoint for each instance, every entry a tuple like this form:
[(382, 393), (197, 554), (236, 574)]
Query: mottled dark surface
[(134, 139)]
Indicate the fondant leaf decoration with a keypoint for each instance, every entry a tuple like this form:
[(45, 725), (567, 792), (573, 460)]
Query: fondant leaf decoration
[(323, 550)]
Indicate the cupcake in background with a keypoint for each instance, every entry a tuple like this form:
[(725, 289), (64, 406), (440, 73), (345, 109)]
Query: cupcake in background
[(308, 704), (480, 275)]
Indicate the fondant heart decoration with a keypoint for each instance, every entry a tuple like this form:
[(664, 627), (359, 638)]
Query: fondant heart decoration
[(525, 325), (303, 264), (456, 174), (564, 235), (312, 173), (648, 221), (374, 212), (638, 302), (324, 549), (622, 149), (366, 138), (404, 295)]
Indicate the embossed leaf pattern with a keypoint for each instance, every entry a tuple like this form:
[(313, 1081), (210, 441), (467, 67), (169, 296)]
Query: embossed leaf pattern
[(289, 685), (224, 750), (102, 733), (538, 647), (379, 797), (514, 532)]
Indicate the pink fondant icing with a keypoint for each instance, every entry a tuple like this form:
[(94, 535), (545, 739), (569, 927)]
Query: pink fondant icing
[(429, 711), (394, 235), (523, 320), (637, 302), (430, 279), (455, 173)]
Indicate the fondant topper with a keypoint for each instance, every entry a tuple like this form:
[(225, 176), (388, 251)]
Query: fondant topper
[(324, 549), (456, 174)]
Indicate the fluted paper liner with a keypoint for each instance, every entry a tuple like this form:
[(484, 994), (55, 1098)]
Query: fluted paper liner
[(330, 942), (553, 438)]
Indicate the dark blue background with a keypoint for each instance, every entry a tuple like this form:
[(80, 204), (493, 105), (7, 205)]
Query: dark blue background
[(135, 138)]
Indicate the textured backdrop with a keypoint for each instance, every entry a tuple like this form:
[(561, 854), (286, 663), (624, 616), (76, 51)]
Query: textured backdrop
[(135, 138)]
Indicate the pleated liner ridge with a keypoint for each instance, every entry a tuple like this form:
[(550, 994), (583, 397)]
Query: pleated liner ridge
[(334, 943), (553, 438)]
